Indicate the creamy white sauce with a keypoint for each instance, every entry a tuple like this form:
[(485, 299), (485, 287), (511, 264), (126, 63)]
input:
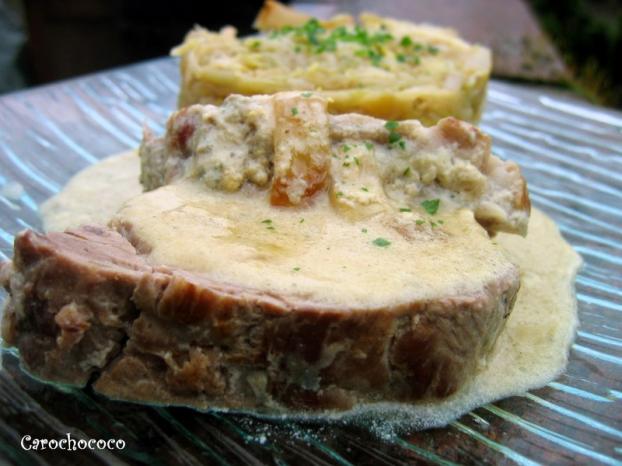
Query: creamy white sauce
[(94, 194), (531, 351), (313, 254)]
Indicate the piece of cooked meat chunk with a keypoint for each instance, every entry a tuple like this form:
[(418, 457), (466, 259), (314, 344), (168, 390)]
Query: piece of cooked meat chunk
[(84, 304), (70, 307), (290, 144)]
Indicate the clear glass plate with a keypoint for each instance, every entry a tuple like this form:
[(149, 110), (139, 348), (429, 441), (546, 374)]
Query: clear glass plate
[(571, 155)]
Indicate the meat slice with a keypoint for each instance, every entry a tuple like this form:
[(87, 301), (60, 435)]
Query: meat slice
[(290, 143), (70, 306), (84, 304)]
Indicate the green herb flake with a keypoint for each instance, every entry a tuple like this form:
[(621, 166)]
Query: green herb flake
[(369, 145), (391, 125), (346, 164), (294, 111), (270, 227), (364, 230), (433, 224), (406, 172), (406, 41), (255, 45), (345, 148), (296, 269), (431, 205), (440, 222), (302, 220), (420, 222), (364, 189), (306, 95), (433, 50), (357, 161), (394, 137), (405, 209), (375, 57), (381, 242), (339, 194), (319, 40), (400, 57), (266, 221)]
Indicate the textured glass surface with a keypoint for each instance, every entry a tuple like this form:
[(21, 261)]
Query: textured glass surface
[(571, 155)]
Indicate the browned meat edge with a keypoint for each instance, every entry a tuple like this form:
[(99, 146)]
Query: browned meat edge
[(85, 306)]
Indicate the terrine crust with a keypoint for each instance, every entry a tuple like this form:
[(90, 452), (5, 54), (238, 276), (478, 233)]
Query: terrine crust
[(432, 75)]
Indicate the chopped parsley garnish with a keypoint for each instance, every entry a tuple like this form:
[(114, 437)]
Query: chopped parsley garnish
[(346, 164), (364, 230), (294, 111), (432, 223), (270, 227), (306, 95), (357, 161), (431, 205), (419, 222), (313, 37), (381, 242), (364, 189), (405, 209), (374, 55), (440, 222), (369, 145), (319, 40), (345, 148), (406, 172), (296, 269), (266, 221), (395, 138), (302, 220), (339, 194), (255, 45), (312, 29)]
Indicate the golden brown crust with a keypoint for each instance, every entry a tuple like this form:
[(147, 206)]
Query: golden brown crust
[(301, 149), (274, 15), (465, 136), (522, 201)]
